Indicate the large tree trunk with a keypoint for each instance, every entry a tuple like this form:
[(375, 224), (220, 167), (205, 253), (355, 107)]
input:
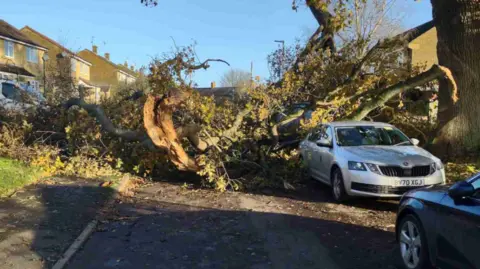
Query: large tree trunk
[(458, 28)]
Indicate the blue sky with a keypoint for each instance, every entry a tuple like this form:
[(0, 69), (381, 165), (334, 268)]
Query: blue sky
[(239, 31)]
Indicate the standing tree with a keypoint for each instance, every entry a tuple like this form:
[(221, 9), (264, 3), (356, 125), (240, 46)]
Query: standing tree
[(236, 78), (457, 23)]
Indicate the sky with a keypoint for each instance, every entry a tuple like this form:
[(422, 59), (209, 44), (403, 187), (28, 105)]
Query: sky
[(239, 31)]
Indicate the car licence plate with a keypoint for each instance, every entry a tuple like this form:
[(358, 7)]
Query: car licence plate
[(409, 182)]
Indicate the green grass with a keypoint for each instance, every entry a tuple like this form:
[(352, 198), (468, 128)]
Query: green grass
[(14, 175)]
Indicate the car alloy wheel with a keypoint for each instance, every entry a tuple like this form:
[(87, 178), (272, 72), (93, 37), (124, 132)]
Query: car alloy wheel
[(413, 245), (337, 186)]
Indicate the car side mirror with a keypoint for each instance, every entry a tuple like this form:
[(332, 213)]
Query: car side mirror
[(461, 190), (415, 141), (322, 142)]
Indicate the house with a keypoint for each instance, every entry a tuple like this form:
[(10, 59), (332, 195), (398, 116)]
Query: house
[(106, 73), (421, 45), (421, 50), (220, 94), (61, 57), (21, 59)]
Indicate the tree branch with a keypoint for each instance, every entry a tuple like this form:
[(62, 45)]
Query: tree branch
[(205, 64), (433, 73), (107, 125)]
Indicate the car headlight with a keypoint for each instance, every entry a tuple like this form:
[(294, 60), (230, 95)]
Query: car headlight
[(439, 165), (436, 166), (356, 166), (433, 168), (374, 168)]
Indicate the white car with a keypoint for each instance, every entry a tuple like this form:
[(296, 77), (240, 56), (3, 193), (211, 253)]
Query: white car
[(17, 98), (368, 159)]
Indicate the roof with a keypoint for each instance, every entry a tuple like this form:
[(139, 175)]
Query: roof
[(127, 70), (415, 32), (217, 92), (15, 70), (117, 66), (10, 32), (56, 44), (357, 123)]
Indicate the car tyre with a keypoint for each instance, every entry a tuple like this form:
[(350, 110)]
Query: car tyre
[(412, 242), (338, 186)]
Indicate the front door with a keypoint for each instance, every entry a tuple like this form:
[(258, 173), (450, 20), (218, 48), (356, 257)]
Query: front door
[(326, 153), (322, 156)]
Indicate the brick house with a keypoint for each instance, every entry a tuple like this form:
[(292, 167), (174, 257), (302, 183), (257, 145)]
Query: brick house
[(421, 47), (20, 57), (61, 57), (421, 50), (106, 73)]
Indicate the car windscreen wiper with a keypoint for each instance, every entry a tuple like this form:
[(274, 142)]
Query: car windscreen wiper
[(402, 143)]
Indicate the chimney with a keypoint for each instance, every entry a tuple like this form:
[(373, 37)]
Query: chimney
[(213, 85), (107, 56), (132, 68), (95, 49), (126, 64)]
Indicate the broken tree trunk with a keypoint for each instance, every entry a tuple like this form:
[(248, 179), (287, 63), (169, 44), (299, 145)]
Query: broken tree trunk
[(157, 119)]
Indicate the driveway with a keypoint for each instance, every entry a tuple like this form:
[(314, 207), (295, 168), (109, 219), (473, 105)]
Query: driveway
[(169, 226)]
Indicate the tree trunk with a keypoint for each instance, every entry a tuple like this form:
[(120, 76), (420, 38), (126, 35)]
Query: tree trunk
[(458, 30)]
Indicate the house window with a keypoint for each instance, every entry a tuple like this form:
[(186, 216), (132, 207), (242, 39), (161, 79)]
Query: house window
[(32, 55), (73, 64), (84, 69), (9, 48)]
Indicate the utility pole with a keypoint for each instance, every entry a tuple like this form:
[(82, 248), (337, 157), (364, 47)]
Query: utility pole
[(283, 55)]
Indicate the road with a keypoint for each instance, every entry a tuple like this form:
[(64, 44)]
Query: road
[(169, 226)]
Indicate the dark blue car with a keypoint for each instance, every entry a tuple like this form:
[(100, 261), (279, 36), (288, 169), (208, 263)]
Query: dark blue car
[(440, 226)]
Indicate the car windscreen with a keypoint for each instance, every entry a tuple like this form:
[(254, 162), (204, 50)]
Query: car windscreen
[(370, 136)]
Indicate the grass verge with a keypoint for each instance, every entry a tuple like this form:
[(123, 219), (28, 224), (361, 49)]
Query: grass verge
[(14, 175)]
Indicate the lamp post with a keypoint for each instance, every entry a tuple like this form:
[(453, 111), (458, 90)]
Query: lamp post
[(45, 58), (283, 54)]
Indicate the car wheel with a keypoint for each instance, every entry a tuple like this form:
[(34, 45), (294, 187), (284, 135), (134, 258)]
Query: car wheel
[(338, 188), (413, 243)]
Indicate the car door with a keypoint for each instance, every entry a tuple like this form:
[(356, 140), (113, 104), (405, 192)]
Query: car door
[(458, 231), (325, 153), (311, 152)]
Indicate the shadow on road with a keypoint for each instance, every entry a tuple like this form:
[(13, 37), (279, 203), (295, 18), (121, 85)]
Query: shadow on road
[(150, 234), (40, 222), (307, 191)]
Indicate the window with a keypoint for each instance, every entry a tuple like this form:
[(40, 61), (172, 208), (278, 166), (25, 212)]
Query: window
[(321, 132), (73, 64), (84, 68), (10, 92), (9, 48), (32, 55), (371, 136)]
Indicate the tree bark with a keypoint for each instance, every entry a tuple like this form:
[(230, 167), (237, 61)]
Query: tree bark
[(458, 31)]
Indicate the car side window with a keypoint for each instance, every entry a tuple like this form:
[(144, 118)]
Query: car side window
[(313, 137), (476, 186), (328, 133)]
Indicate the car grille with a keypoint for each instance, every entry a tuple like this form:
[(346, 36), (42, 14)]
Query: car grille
[(381, 189), (396, 171)]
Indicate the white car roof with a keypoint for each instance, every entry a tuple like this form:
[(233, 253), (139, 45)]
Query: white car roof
[(358, 123)]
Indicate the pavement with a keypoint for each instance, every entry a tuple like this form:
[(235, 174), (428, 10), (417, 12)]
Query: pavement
[(39, 222), (168, 226)]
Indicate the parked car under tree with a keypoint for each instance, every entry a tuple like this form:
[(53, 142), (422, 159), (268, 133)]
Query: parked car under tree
[(368, 159)]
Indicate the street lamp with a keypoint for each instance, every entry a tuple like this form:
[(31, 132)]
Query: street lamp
[(45, 58), (283, 54)]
